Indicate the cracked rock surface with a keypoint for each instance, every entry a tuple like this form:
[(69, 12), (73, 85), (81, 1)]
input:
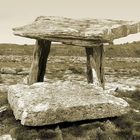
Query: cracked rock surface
[(81, 32), (62, 101)]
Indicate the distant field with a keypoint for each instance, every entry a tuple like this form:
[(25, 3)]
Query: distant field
[(111, 51), (118, 69), (126, 50)]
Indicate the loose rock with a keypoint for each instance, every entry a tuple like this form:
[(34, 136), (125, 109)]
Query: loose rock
[(8, 70), (6, 137), (3, 88)]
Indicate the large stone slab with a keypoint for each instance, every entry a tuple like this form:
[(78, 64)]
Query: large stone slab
[(50, 103), (81, 32)]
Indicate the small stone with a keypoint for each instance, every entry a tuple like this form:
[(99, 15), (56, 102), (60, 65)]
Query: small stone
[(3, 88), (68, 72), (6, 137), (24, 80), (1, 79), (135, 110), (3, 108), (23, 73), (8, 70)]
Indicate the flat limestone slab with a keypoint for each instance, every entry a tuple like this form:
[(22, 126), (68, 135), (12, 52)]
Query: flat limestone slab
[(80, 32), (51, 103)]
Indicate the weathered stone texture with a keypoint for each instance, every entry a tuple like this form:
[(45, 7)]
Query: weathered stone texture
[(50, 103), (81, 32)]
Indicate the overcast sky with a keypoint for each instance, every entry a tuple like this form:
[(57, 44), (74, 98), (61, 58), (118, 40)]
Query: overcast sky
[(15, 13)]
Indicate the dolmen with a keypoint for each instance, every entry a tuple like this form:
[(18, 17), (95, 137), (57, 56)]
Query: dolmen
[(40, 103)]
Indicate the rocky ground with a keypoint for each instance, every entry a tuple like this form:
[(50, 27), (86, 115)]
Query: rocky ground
[(122, 76)]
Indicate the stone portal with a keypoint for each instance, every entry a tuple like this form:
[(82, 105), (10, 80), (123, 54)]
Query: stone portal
[(43, 103), (88, 33)]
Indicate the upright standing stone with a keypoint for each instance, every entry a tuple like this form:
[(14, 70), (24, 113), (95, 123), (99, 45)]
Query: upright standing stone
[(95, 65), (40, 57)]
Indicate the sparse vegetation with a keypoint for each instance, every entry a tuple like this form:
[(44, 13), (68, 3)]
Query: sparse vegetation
[(125, 50), (126, 127)]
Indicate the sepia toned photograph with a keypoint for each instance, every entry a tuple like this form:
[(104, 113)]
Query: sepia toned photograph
[(69, 70)]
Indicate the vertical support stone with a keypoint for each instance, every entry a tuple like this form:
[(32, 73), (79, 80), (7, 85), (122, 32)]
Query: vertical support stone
[(95, 65), (89, 54), (102, 61), (40, 57)]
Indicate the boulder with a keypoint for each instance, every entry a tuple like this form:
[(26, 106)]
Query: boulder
[(62, 101)]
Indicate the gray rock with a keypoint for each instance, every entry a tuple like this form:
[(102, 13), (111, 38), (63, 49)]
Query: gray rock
[(3, 109), (24, 80), (82, 32), (51, 103), (6, 137), (3, 88), (18, 71), (23, 73), (68, 72), (8, 70)]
